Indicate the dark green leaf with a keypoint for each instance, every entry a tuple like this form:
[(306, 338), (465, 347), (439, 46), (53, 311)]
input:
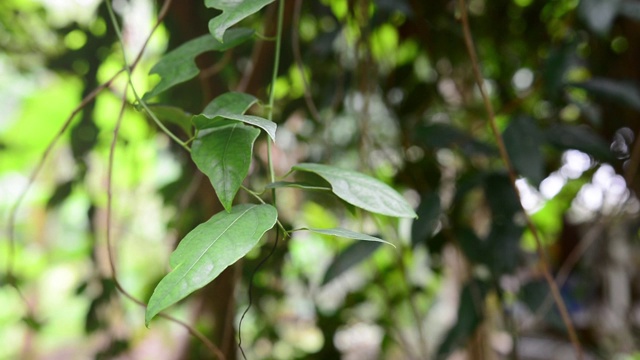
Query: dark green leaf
[(33, 323), (503, 245), (209, 249), (630, 9), (60, 194), (113, 350), (361, 190), (351, 256), (446, 136), (470, 315), (428, 214), (580, 138), (472, 246), (561, 58), (347, 234), (523, 139), (502, 198), (232, 13), (178, 66), (224, 155), (503, 242), (622, 92), (84, 136), (173, 115)]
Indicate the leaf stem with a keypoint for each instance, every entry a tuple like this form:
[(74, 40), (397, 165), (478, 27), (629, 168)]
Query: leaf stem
[(468, 39), (272, 93), (285, 233), (155, 119), (208, 344)]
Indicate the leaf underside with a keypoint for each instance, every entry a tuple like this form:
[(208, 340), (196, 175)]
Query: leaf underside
[(209, 249), (232, 106), (361, 190), (348, 234)]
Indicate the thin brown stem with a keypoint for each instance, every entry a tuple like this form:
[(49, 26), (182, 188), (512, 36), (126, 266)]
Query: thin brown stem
[(565, 269), (13, 213), (112, 264), (544, 265), (212, 348)]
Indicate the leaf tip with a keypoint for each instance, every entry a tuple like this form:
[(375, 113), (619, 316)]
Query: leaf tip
[(148, 316)]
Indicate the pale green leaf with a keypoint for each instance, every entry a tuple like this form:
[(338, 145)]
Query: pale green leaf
[(178, 65), (361, 190), (297, 185), (209, 249), (233, 11), (344, 233), (224, 155)]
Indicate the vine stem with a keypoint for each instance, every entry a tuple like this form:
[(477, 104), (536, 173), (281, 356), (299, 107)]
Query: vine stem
[(272, 93), (210, 346), (112, 263), (13, 213), (129, 70), (272, 175), (544, 265)]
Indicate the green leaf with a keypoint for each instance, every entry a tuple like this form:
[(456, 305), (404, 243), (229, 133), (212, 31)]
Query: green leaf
[(428, 214), (60, 194), (209, 249), (178, 66), (227, 103), (351, 256), (472, 246), (232, 106), (296, 184), (346, 234), (622, 92), (173, 115), (523, 140), (224, 155), (264, 124), (579, 138), (233, 11), (446, 136), (361, 190)]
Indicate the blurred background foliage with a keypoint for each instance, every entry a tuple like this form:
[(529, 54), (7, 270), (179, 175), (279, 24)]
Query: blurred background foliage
[(381, 86)]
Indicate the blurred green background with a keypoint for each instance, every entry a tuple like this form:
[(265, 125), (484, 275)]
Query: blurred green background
[(384, 87)]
